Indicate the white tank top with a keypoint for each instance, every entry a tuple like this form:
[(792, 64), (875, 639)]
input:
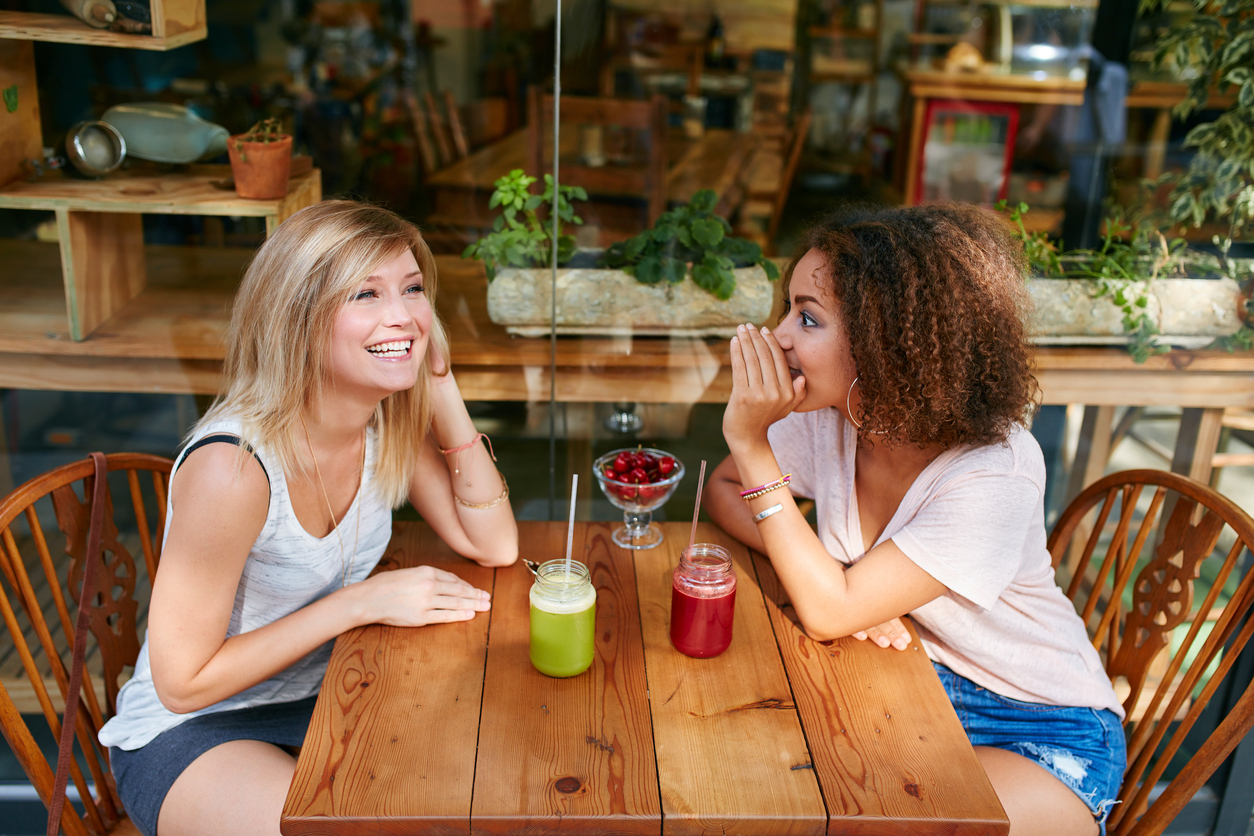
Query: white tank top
[(286, 569)]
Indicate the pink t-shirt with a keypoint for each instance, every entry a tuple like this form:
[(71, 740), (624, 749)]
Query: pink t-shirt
[(974, 519)]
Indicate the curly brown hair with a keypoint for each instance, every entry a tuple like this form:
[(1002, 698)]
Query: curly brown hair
[(935, 300)]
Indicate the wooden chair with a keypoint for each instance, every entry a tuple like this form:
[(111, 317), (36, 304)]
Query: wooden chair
[(38, 618), (770, 180), (1166, 689), (646, 179), (441, 138)]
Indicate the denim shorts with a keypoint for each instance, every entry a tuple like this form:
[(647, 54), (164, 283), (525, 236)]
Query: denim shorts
[(1083, 747), (145, 775)]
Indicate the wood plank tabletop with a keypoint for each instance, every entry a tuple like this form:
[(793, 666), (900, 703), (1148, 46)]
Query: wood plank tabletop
[(731, 752), (576, 754), (439, 730), (393, 736)]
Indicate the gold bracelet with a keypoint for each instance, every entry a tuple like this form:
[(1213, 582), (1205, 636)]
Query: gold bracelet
[(504, 496)]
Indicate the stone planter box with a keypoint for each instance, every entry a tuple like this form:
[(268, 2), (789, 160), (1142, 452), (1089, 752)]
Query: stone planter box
[(610, 302), (1189, 312)]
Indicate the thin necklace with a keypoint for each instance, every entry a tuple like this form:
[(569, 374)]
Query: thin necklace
[(346, 567)]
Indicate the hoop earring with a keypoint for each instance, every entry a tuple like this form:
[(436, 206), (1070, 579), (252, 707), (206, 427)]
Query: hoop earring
[(848, 409)]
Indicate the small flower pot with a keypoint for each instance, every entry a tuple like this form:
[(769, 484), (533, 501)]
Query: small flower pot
[(260, 169)]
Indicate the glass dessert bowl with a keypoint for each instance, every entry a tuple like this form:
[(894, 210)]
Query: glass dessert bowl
[(639, 481)]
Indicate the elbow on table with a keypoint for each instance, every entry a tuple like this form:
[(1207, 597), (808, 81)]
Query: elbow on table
[(499, 556), (825, 630)]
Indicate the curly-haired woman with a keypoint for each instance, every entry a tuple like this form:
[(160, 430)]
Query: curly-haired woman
[(894, 391)]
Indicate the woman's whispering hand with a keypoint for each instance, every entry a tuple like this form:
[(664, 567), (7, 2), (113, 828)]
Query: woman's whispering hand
[(763, 389)]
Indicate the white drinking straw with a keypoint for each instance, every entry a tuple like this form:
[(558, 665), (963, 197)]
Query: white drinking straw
[(696, 511), (570, 529)]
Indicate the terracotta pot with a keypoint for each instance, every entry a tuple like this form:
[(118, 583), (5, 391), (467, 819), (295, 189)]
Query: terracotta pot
[(261, 169)]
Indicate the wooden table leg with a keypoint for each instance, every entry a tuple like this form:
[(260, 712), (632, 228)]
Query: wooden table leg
[(916, 143), (1092, 453), (1156, 147), (6, 468), (1196, 442), (1093, 449)]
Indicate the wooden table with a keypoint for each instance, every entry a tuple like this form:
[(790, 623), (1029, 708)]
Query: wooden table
[(716, 161), (437, 730)]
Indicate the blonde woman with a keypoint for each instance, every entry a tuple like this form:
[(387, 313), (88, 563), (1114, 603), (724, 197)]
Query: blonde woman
[(339, 406)]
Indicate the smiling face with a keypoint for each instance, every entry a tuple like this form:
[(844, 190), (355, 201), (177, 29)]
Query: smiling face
[(380, 336), (815, 340)]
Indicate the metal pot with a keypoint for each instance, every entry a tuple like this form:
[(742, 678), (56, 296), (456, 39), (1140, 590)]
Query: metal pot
[(95, 148)]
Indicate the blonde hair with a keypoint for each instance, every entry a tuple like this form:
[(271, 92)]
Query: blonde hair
[(279, 342)]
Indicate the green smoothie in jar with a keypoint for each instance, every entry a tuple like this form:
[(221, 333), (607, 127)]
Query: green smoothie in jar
[(563, 619)]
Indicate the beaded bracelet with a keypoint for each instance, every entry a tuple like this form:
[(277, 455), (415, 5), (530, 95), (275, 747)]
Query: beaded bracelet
[(482, 505), (467, 446), (754, 493)]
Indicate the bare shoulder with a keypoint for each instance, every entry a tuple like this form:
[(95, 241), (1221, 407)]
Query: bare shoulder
[(223, 478)]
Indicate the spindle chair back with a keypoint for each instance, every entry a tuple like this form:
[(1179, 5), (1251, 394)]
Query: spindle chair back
[(1167, 653), (41, 568)]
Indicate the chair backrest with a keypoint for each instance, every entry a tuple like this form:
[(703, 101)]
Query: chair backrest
[(640, 118), (38, 564), (486, 120), (800, 131), (1155, 530), (441, 138)]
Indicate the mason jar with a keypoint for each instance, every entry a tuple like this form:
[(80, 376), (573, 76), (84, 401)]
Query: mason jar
[(703, 601), (563, 618)]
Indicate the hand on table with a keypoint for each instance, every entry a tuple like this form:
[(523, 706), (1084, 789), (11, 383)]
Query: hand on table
[(763, 390), (891, 633), (421, 595)]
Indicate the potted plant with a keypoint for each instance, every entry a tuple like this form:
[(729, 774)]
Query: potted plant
[(261, 160), (1137, 288), (1214, 50), (519, 238), (639, 286)]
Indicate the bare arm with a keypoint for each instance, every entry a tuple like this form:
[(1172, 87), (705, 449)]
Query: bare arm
[(218, 511), (831, 601), (488, 536)]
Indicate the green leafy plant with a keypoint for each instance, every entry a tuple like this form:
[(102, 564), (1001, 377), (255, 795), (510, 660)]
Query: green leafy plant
[(689, 239), (519, 237), (266, 131), (1122, 269), (1214, 49)]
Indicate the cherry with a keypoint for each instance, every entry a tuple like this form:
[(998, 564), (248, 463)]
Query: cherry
[(639, 476), (666, 465), (623, 461)]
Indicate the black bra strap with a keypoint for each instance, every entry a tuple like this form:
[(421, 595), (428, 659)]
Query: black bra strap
[(227, 439)]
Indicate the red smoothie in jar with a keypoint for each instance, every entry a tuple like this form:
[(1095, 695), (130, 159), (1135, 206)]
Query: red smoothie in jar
[(703, 601)]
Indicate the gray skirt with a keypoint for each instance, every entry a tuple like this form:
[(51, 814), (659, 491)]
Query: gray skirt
[(144, 775)]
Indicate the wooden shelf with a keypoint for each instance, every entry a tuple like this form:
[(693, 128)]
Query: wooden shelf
[(175, 23), (100, 228), (146, 189)]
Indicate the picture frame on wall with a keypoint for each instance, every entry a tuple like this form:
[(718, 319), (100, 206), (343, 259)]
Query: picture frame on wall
[(966, 152)]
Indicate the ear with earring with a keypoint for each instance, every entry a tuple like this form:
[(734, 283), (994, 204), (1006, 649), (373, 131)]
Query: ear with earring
[(849, 409)]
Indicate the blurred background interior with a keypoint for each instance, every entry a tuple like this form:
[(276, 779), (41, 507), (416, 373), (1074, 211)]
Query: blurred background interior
[(784, 109)]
